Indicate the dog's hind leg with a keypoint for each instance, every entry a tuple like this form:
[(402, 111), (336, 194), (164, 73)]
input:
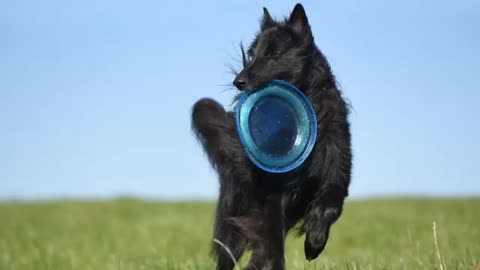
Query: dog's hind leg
[(216, 130), (231, 242), (234, 201), (268, 252)]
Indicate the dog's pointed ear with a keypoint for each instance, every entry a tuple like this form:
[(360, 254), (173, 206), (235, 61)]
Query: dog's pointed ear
[(298, 20), (267, 20)]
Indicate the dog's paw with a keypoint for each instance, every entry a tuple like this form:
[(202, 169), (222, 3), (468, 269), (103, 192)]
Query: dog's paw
[(315, 242)]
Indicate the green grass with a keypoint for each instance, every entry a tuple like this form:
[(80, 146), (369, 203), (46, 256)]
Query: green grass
[(130, 234)]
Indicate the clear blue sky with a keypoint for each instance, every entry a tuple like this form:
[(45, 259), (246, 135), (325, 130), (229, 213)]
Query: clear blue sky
[(95, 96)]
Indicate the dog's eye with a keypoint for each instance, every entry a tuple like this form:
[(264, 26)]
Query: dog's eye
[(275, 54), (272, 52)]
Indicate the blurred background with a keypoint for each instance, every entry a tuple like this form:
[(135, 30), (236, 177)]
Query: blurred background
[(95, 96)]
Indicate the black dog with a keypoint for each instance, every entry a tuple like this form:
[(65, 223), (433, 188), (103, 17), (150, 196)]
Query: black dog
[(256, 209)]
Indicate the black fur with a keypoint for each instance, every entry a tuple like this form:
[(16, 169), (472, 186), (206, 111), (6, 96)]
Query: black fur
[(257, 209)]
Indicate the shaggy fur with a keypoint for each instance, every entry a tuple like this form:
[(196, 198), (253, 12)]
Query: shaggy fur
[(257, 209)]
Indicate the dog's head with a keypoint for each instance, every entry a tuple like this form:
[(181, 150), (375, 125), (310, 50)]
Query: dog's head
[(282, 50)]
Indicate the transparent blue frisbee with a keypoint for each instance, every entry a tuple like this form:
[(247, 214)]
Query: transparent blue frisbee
[(277, 126)]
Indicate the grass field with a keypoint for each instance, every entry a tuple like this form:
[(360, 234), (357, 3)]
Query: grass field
[(131, 234)]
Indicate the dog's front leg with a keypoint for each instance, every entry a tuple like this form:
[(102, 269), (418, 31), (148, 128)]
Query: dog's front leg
[(320, 216), (329, 172)]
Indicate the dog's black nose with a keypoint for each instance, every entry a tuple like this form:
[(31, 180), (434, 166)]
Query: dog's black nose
[(240, 83)]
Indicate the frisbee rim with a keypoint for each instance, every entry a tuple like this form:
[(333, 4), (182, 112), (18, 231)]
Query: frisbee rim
[(309, 112)]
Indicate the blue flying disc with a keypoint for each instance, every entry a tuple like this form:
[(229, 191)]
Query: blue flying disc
[(277, 126)]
